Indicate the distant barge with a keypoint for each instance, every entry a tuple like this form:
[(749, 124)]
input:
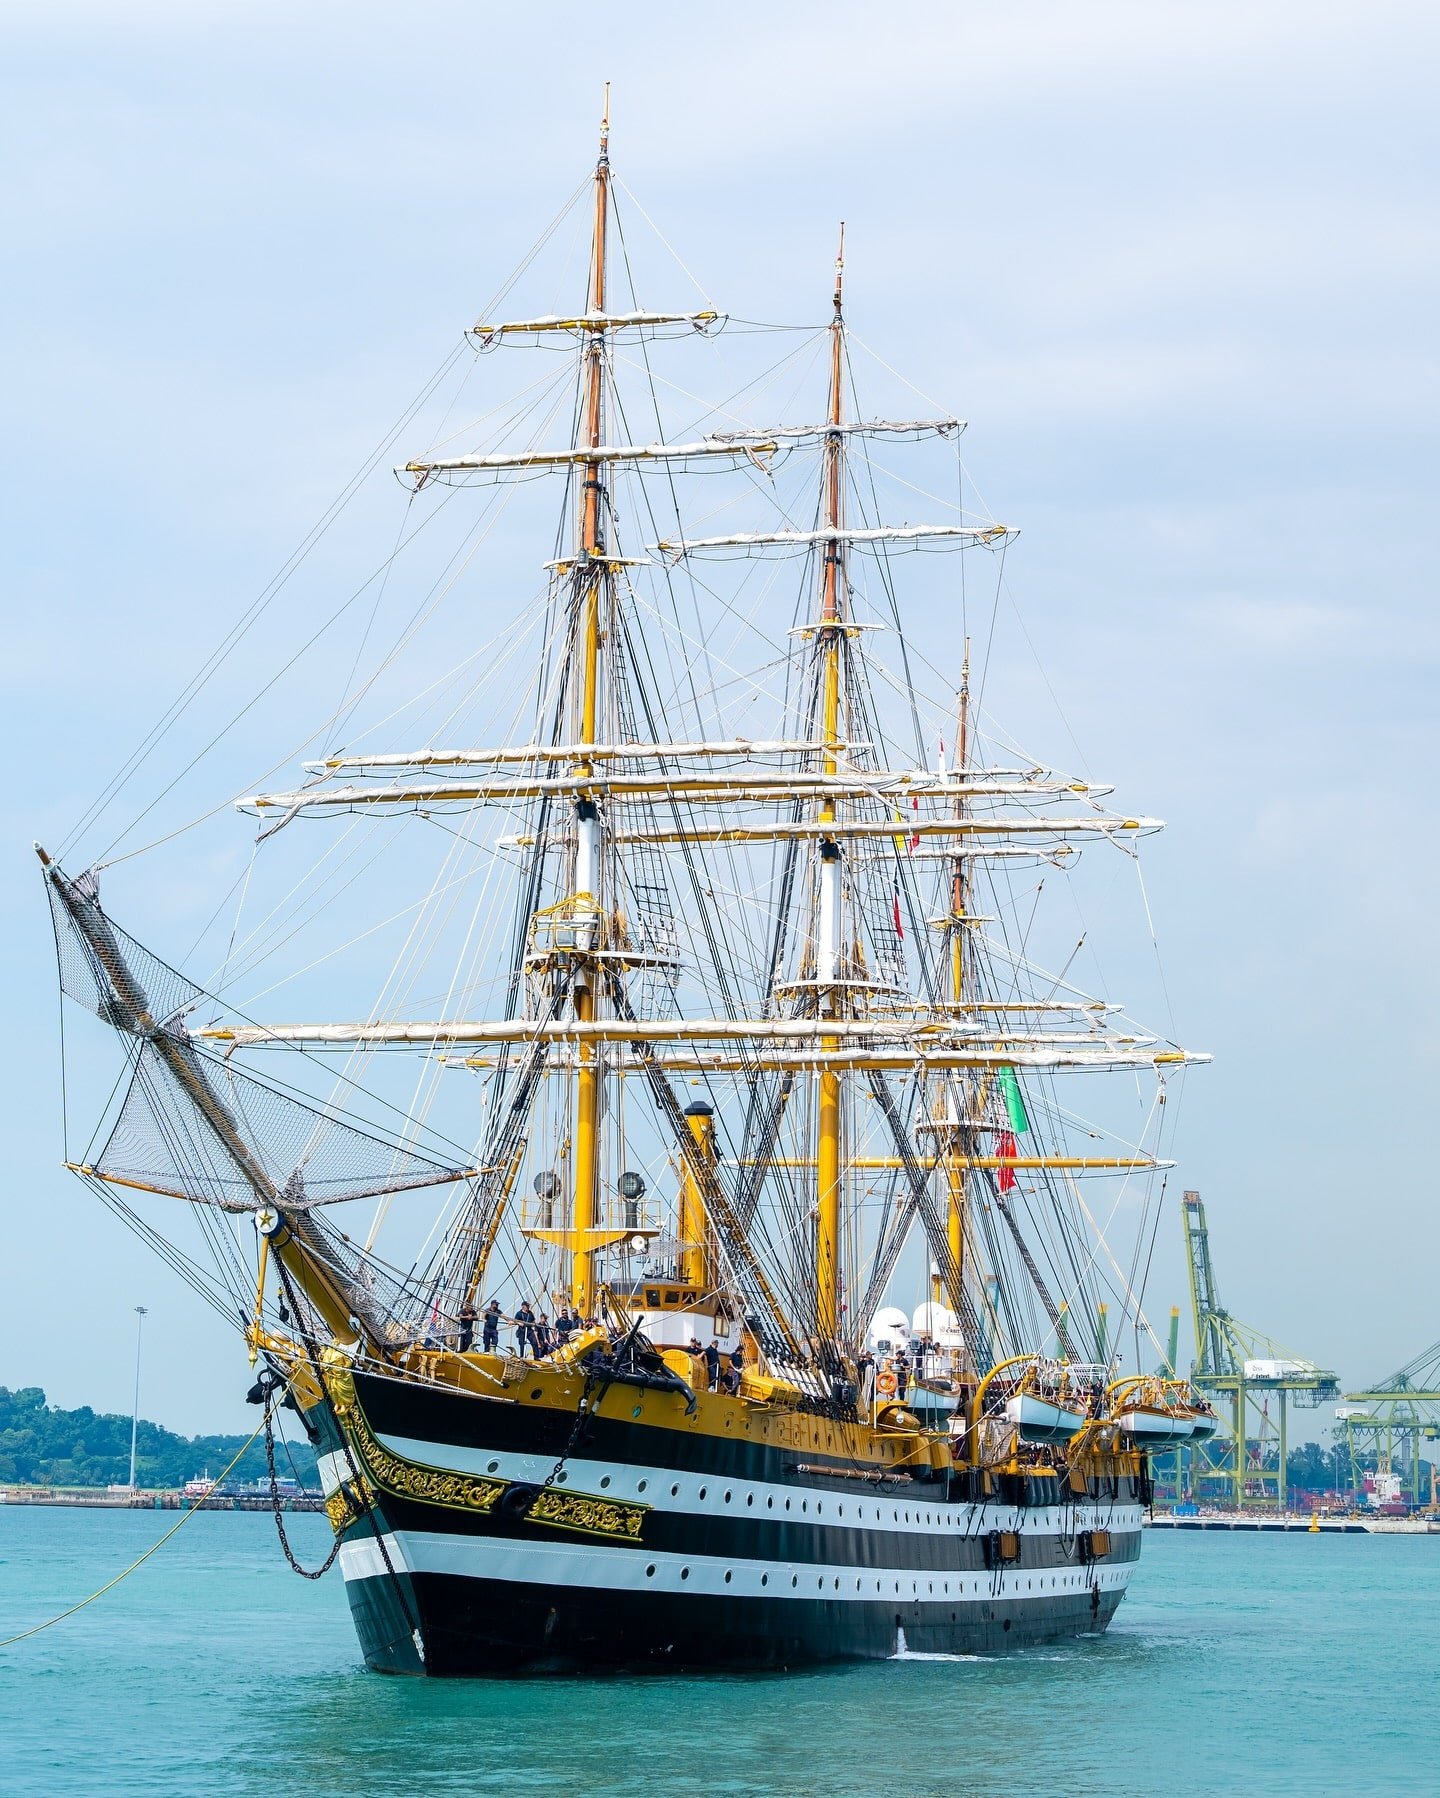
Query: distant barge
[(102, 1499), (1303, 1525)]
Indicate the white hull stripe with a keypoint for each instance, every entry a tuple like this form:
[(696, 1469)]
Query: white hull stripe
[(599, 1568), (709, 1495)]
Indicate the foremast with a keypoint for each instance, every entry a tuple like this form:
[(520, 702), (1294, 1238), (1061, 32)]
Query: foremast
[(592, 578)]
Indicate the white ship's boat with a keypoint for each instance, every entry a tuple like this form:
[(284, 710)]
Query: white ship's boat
[(1044, 1420), (1147, 1427)]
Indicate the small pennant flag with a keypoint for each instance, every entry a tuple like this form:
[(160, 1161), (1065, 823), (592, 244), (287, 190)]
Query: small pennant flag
[(915, 807), (1005, 1150), (899, 927)]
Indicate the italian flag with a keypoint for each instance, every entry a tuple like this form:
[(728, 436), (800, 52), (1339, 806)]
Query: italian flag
[(1017, 1123)]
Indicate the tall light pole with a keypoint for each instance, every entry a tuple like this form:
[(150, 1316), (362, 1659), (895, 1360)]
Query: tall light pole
[(140, 1315)]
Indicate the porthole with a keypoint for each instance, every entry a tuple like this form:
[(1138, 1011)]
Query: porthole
[(728, 1576), (702, 1491), (674, 1492), (1006, 1625), (727, 1498), (764, 1579), (604, 1480), (642, 1485), (794, 1579), (805, 1504), (537, 1392), (787, 1504), (837, 1582), (493, 1467), (650, 1571), (770, 1502), (636, 1412), (684, 1573), (750, 1498)]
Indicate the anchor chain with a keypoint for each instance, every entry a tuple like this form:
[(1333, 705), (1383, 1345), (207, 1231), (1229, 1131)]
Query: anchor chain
[(277, 1509)]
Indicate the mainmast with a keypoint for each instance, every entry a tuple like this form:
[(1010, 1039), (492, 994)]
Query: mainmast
[(591, 574), (833, 608)]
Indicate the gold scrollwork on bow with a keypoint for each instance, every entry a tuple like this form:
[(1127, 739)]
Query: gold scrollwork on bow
[(587, 1514), (412, 1479), (339, 1382), (582, 1512), (348, 1502)]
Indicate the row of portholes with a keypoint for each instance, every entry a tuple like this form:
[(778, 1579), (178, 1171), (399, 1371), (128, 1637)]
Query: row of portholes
[(703, 1493), (898, 1585), (1056, 1582)]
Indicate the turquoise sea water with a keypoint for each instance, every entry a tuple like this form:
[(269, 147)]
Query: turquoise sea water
[(1290, 1664)]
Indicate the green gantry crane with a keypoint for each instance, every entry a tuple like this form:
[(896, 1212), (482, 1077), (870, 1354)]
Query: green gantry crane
[(1241, 1370), (1392, 1418)]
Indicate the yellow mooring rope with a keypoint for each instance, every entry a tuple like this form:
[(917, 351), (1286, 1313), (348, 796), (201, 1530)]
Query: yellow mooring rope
[(185, 1516)]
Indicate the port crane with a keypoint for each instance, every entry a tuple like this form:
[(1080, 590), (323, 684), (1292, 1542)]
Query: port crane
[(1242, 1370), (1390, 1420)]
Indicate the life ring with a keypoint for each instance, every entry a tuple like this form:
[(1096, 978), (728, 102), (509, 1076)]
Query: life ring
[(885, 1383)]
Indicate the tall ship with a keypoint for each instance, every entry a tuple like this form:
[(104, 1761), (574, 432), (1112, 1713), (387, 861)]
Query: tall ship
[(755, 1313)]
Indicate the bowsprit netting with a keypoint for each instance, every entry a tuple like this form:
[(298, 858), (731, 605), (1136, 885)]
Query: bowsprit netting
[(105, 969), (164, 1141), (192, 1125)]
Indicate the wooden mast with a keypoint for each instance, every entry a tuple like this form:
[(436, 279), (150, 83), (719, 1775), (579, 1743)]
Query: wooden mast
[(828, 951), (591, 575), (959, 1154)]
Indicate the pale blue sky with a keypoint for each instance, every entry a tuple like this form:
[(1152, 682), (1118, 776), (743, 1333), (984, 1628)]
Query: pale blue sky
[(1176, 264)]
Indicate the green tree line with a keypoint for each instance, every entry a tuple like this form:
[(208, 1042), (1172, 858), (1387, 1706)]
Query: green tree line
[(41, 1445)]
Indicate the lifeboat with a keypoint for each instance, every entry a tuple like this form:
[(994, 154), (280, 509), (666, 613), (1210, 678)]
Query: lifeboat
[(1044, 1419), (1147, 1425)]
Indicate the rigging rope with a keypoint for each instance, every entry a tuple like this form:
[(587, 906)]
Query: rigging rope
[(110, 1585)]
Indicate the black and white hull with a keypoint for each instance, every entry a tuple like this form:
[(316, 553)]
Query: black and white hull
[(658, 1543)]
